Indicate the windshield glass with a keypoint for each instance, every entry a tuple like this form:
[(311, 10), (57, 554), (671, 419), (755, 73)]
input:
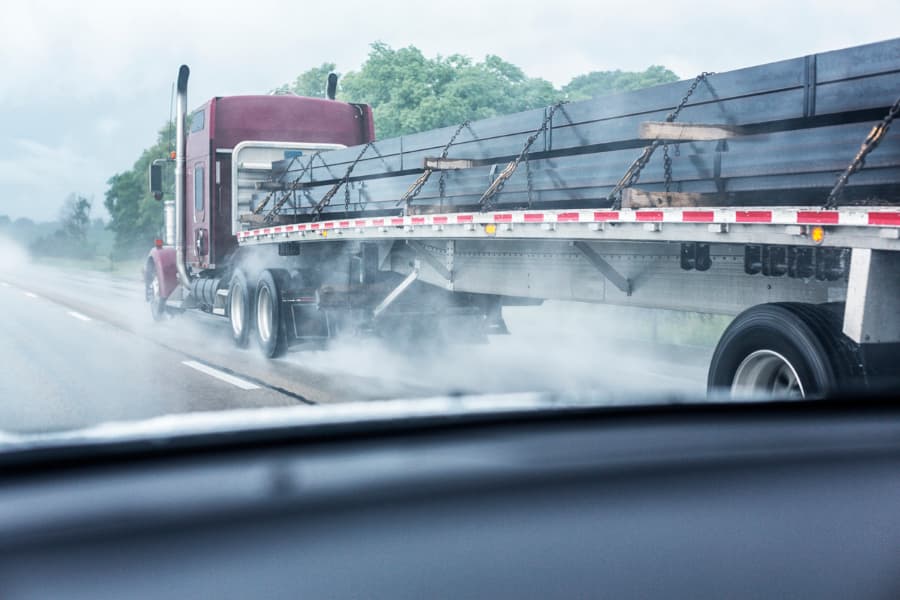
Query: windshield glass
[(598, 203)]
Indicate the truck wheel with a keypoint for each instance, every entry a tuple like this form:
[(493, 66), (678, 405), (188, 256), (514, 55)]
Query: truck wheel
[(152, 292), (240, 305), (270, 331), (783, 350)]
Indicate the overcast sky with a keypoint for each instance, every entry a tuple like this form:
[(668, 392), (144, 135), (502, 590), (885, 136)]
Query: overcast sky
[(84, 86)]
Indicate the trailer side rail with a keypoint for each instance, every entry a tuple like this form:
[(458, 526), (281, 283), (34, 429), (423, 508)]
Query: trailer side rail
[(856, 227)]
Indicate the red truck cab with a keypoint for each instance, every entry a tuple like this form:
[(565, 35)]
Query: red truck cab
[(219, 125)]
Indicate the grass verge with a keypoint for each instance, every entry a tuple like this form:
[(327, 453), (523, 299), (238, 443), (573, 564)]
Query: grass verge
[(123, 269)]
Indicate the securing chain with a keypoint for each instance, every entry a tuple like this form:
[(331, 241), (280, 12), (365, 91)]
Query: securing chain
[(667, 168), (442, 188), (259, 208), (416, 187), (633, 173), (276, 208), (497, 185), (697, 80), (859, 161), (326, 199), (346, 199), (528, 179)]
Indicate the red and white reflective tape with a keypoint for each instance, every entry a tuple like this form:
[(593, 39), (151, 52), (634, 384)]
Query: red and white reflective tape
[(857, 217)]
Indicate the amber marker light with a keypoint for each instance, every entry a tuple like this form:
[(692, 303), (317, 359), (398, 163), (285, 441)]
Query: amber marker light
[(817, 234)]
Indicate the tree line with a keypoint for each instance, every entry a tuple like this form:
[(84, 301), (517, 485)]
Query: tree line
[(408, 92), (73, 235)]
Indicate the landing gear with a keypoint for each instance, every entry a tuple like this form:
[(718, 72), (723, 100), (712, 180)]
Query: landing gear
[(270, 330), (783, 350)]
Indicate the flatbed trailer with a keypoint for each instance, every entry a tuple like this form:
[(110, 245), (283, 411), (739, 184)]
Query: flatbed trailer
[(716, 196)]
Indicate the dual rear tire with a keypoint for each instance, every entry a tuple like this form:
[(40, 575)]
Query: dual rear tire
[(240, 307), (271, 333), (258, 307)]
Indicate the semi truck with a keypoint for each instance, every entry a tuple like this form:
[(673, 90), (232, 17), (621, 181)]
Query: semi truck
[(771, 193)]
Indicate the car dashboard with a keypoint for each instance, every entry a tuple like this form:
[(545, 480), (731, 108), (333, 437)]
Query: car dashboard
[(753, 500)]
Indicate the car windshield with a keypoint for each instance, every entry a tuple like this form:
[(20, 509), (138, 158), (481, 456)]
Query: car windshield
[(210, 208)]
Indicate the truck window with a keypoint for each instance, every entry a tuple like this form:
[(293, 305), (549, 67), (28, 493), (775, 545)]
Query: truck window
[(198, 120), (198, 188)]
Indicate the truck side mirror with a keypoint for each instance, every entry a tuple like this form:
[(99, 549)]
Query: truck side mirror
[(156, 181)]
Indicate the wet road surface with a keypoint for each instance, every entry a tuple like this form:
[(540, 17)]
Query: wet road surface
[(79, 348)]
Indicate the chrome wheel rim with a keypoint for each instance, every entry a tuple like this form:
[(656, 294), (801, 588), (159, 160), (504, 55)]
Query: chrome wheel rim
[(767, 372), (264, 314), (236, 310)]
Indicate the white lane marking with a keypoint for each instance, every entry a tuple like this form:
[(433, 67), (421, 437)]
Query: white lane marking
[(79, 316), (31, 294), (235, 381)]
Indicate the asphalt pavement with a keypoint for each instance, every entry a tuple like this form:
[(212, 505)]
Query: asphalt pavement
[(79, 347), (65, 369)]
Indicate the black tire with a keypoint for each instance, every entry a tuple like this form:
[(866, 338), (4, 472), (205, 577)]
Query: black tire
[(270, 330), (768, 346), (157, 302), (240, 308)]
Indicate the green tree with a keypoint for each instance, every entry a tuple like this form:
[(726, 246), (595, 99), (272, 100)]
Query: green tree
[(75, 217), (70, 239), (136, 217), (410, 92), (601, 83)]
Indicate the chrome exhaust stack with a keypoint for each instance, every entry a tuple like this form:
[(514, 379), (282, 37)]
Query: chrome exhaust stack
[(180, 150)]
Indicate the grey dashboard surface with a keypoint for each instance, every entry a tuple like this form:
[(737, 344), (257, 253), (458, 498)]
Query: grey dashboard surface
[(777, 502)]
